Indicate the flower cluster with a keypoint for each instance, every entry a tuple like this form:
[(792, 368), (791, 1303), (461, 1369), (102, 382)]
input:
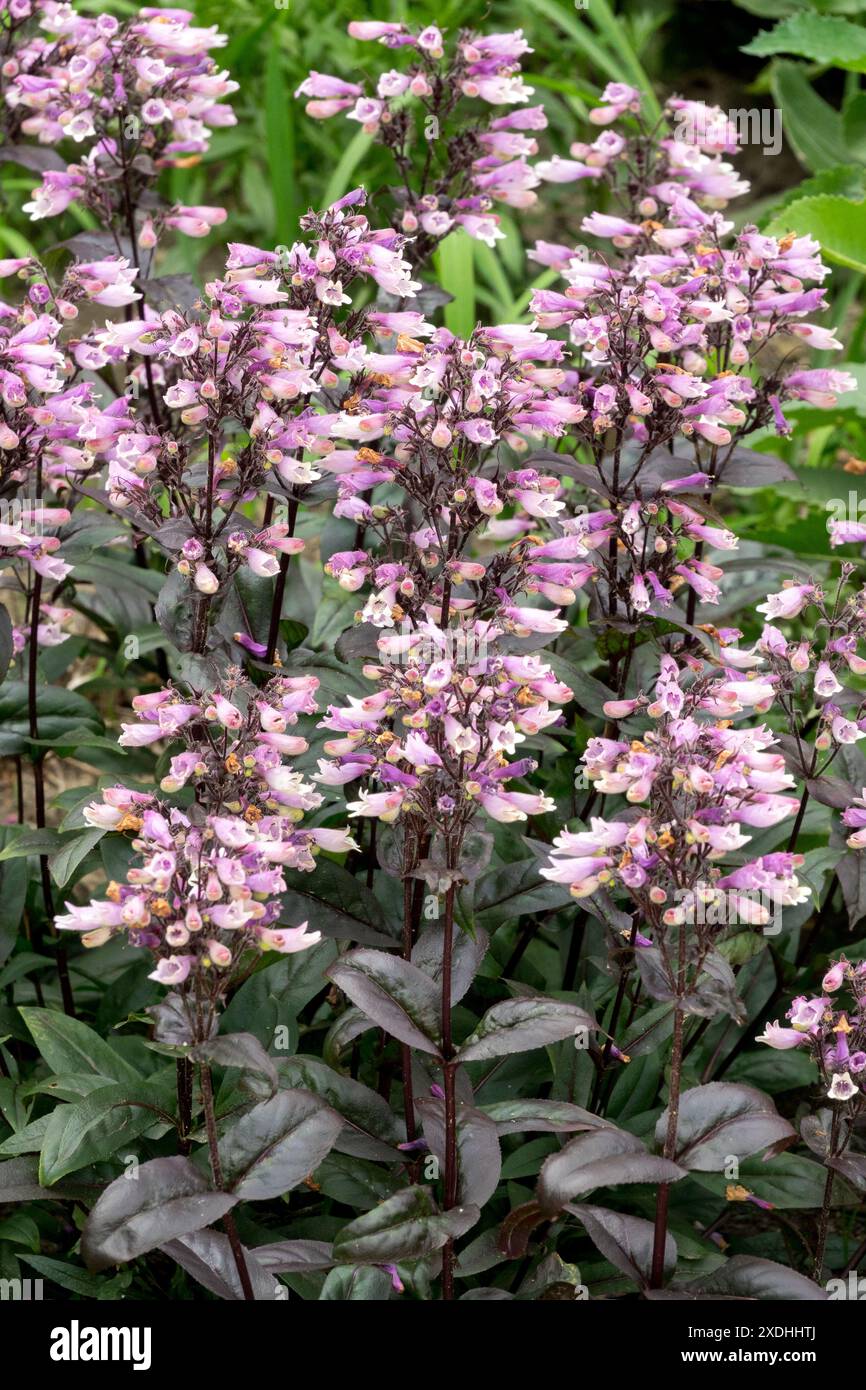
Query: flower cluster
[(700, 781), (236, 373), (674, 321), (140, 94), (447, 710), (483, 158), (205, 882), (836, 1037), (447, 407)]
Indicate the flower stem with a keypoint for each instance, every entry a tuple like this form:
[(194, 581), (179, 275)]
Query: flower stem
[(405, 1050), (824, 1218), (624, 976), (280, 588), (184, 1102), (798, 823), (449, 1072), (202, 608), (216, 1168), (670, 1148), (39, 796)]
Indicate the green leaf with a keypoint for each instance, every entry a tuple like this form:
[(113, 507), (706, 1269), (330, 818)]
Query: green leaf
[(455, 268), (28, 1140), (280, 146), (512, 890), (614, 29), (541, 1116), (344, 171), (20, 1229), (812, 126), (75, 847), (790, 1181), (824, 39), (13, 893), (773, 1071), (277, 1144), (19, 1183), (334, 903), (22, 844), (854, 125), (75, 1279), (68, 1045), (580, 38), (838, 223), (93, 1128), (740, 947), (848, 180), (356, 1283), (169, 1198), (277, 992), (58, 711)]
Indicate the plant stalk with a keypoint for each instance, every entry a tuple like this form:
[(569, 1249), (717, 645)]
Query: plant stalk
[(216, 1168), (39, 796), (661, 1221), (280, 589), (826, 1204), (449, 1080)]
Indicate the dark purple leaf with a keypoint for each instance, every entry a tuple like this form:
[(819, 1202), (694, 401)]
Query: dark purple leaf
[(406, 1226), (602, 1158), (394, 993), (479, 1159), (744, 1276), (851, 873), (627, 1241), (749, 468), (172, 1022), (371, 1129), (92, 246), (541, 1117), (277, 1144), (852, 1167), (467, 954), (169, 1198), (517, 1229), (178, 292), (36, 158), (720, 1120), (238, 1050), (207, 1257), (519, 1025), (294, 1256)]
